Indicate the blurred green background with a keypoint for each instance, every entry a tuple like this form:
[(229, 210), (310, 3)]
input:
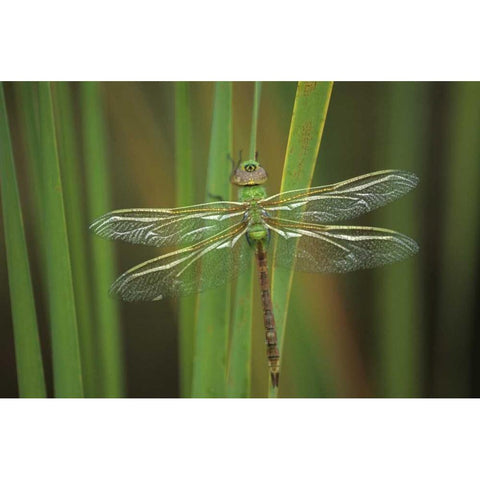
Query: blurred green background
[(405, 330)]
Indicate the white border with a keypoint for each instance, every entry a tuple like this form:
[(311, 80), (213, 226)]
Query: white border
[(238, 439), (249, 40)]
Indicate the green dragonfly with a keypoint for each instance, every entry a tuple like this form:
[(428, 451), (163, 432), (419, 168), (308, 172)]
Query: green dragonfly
[(216, 240)]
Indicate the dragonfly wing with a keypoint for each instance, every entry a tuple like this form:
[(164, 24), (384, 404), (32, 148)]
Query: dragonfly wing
[(341, 201), (339, 249), (207, 264), (169, 227)]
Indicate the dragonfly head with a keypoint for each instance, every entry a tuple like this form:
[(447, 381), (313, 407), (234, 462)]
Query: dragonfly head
[(248, 173)]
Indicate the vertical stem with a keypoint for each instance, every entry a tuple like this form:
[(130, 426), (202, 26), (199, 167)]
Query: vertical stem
[(308, 120), (239, 367), (213, 307), (28, 355), (67, 368), (99, 202), (255, 111), (27, 105), (185, 195)]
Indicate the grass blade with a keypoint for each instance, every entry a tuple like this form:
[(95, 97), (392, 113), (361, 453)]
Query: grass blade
[(308, 347), (27, 100), (239, 374), (399, 288), (67, 368), (77, 233), (459, 256), (185, 192), (306, 128), (99, 202), (213, 307), (31, 381)]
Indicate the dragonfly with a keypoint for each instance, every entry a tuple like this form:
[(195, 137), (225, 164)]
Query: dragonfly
[(215, 241)]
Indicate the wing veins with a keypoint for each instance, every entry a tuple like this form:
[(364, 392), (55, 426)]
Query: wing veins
[(341, 201)]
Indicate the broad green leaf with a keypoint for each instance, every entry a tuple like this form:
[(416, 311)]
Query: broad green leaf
[(400, 138), (68, 143), (306, 128), (458, 294)]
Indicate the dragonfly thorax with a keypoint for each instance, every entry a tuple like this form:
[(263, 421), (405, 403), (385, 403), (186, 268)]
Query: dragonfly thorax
[(251, 194), (257, 228)]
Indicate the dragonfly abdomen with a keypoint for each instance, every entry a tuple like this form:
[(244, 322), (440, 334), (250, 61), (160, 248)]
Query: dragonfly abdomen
[(273, 353)]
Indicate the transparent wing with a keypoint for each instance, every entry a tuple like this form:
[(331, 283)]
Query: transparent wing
[(207, 264), (169, 227), (341, 201), (330, 249)]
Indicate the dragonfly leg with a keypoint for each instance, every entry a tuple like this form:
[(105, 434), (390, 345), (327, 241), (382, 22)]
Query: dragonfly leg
[(273, 353), (232, 161), (215, 197)]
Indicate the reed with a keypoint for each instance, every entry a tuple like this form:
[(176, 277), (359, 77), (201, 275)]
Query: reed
[(306, 128), (26, 96), (28, 355), (70, 164), (67, 368), (400, 138), (185, 195), (240, 361), (459, 255), (213, 306), (97, 172)]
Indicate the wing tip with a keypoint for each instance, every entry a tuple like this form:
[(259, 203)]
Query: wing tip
[(415, 246), (411, 177), (120, 289), (414, 179)]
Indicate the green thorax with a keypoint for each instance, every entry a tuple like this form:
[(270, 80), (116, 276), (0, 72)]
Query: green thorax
[(251, 193)]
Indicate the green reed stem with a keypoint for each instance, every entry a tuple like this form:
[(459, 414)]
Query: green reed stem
[(28, 355), (67, 368), (306, 128), (399, 291), (77, 234), (461, 233), (26, 94), (185, 195), (213, 307), (240, 370), (110, 368)]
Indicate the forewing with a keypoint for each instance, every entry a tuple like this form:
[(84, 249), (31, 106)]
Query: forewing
[(341, 201), (207, 264), (339, 249), (169, 227)]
